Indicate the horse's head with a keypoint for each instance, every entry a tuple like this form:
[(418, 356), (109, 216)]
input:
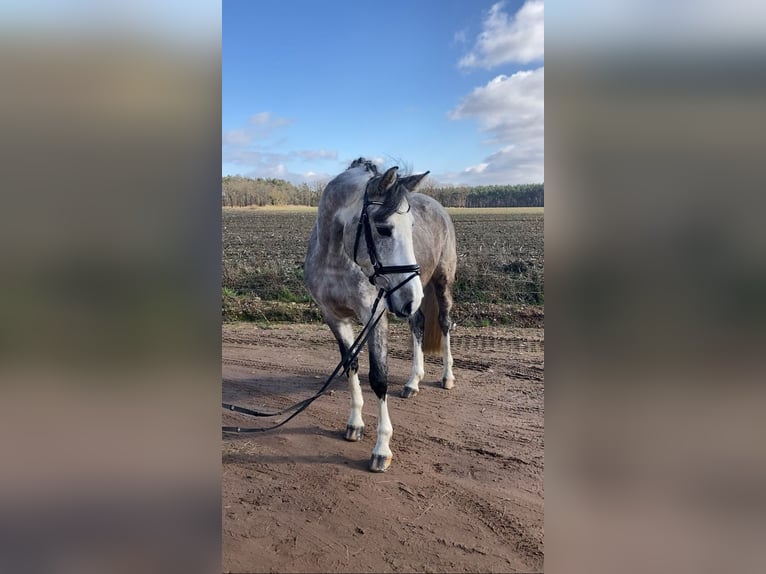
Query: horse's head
[(379, 240)]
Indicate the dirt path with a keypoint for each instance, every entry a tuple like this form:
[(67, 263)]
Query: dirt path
[(465, 490)]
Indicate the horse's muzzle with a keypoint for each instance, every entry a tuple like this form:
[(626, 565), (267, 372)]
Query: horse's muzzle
[(406, 311)]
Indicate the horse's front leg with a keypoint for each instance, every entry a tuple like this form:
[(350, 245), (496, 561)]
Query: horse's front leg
[(344, 334), (381, 454)]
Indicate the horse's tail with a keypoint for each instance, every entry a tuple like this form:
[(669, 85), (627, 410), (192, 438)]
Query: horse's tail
[(432, 332)]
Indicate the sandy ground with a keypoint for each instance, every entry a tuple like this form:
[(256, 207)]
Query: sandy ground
[(465, 489)]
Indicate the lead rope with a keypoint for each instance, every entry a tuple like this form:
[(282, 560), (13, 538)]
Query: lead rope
[(345, 362)]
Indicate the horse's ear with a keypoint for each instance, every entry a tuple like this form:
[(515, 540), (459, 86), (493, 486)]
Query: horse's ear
[(389, 179), (412, 181)]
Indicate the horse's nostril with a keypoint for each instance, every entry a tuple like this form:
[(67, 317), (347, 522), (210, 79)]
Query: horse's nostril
[(407, 309)]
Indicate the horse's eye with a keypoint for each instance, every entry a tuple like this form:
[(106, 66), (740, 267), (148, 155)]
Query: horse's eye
[(385, 231)]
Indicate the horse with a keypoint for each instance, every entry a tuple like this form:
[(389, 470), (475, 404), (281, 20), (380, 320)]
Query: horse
[(373, 232)]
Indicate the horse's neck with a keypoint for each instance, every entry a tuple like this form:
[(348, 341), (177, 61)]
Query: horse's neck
[(341, 201), (346, 189), (335, 213)]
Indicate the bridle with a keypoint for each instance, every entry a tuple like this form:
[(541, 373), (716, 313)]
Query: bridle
[(378, 268)]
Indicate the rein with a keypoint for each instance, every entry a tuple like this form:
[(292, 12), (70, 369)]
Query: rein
[(344, 364)]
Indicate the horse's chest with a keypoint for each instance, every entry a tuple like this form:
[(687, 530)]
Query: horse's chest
[(347, 296)]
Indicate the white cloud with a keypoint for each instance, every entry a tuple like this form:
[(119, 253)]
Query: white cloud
[(313, 177), (260, 126), (504, 39), (279, 170), (239, 137), (508, 107), (313, 154), (265, 119), (255, 152), (511, 164), (476, 168), (511, 111)]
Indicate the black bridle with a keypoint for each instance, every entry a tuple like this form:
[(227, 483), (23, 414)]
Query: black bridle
[(378, 268)]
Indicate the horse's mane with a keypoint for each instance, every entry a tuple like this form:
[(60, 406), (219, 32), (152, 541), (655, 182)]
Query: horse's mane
[(392, 199), (368, 165)]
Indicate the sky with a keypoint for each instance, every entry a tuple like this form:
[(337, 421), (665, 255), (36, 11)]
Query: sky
[(454, 87)]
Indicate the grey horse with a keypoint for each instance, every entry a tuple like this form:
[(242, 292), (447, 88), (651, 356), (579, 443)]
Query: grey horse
[(374, 232)]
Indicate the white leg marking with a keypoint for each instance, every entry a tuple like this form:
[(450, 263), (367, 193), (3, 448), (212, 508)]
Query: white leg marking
[(385, 430), (418, 368), (357, 402), (448, 379)]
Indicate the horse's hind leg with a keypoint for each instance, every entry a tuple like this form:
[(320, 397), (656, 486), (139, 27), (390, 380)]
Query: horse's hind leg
[(444, 297), (417, 323), (344, 333)]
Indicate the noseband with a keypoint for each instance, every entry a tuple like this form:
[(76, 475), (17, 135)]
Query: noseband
[(379, 268)]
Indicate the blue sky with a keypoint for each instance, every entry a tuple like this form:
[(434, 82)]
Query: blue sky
[(450, 86)]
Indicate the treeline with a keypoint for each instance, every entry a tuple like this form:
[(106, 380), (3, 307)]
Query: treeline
[(238, 191), (524, 195)]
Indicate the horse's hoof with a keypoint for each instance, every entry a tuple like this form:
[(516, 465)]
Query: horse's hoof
[(354, 434), (380, 462), (448, 383), (408, 392)]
